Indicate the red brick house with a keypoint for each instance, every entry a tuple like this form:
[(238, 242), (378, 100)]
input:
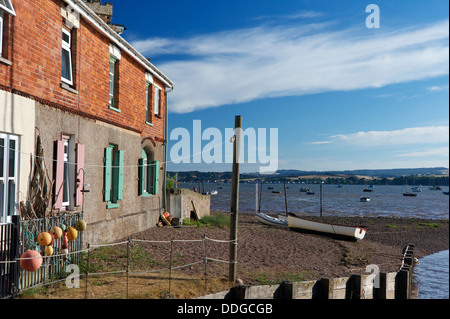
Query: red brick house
[(98, 106)]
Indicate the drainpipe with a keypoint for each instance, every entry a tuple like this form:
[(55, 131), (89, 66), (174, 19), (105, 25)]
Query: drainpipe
[(166, 127)]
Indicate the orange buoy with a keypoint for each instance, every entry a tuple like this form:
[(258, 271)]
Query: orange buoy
[(44, 239), (31, 260), (72, 234), (56, 231)]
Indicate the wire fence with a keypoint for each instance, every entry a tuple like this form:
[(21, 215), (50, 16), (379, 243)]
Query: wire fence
[(123, 252)]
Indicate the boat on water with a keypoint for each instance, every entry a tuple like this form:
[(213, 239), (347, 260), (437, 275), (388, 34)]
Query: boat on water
[(304, 189), (276, 192), (271, 221), (409, 194), (416, 189), (348, 232), (435, 188), (214, 192), (445, 193), (364, 199), (368, 189), (310, 193)]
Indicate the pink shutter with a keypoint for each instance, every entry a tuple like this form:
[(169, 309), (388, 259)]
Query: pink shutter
[(59, 175), (80, 175)]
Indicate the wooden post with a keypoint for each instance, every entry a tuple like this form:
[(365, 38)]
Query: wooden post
[(287, 290), (321, 201), (402, 284), (322, 290), (235, 198), (380, 291), (285, 198), (355, 286)]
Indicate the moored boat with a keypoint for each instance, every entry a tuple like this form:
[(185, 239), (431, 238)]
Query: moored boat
[(349, 232), (271, 221), (364, 199), (409, 194)]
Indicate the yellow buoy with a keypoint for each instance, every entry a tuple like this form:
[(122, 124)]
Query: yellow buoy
[(48, 250), (72, 234), (44, 239), (80, 225), (56, 231)]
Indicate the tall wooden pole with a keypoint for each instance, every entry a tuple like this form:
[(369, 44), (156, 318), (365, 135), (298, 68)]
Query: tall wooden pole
[(235, 198), (321, 200)]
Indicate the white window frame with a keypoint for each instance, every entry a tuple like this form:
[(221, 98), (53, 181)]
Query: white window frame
[(1, 32), (157, 100), (5, 217), (66, 46), (8, 7), (112, 82)]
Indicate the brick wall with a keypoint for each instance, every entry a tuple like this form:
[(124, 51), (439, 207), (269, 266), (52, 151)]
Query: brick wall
[(33, 45)]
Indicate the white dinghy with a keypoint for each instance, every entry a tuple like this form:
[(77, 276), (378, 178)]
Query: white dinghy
[(350, 232)]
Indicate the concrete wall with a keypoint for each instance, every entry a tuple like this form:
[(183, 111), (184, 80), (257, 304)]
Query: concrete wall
[(136, 213), (335, 288), (17, 117), (180, 203)]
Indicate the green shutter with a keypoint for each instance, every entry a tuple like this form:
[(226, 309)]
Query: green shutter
[(141, 177), (108, 174), (120, 175), (155, 182)]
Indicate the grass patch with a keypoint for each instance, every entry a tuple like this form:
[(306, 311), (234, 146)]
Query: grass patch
[(218, 220), (432, 225)]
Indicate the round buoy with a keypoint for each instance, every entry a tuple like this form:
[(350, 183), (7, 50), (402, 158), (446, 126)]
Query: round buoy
[(44, 239), (80, 225), (72, 234), (49, 250), (56, 231), (33, 263)]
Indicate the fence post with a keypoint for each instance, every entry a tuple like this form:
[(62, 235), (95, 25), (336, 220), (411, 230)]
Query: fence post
[(87, 270), (380, 292), (240, 292), (15, 253), (321, 290), (355, 286), (402, 284), (287, 290)]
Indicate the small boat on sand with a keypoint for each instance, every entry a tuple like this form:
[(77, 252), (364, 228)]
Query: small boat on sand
[(271, 221), (348, 232)]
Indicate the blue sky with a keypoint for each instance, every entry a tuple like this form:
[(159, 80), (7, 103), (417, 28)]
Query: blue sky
[(341, 95)]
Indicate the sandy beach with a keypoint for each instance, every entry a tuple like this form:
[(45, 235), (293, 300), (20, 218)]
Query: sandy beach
[(270, 253)]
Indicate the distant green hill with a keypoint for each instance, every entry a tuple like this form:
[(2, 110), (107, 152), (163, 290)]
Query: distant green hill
[(418, 176)]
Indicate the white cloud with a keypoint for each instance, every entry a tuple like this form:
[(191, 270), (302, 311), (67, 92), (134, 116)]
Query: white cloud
[(437, 88), (244, 65), (407, 136), (435, 152)]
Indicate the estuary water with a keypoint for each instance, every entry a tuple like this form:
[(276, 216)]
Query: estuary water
[(432, 276), (385, 200), (432, 272)]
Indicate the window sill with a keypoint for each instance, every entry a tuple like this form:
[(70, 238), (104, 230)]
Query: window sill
[(112, 205), (68, 88), (5, 61), (146, 195), (148, 123), (158, 116), (114, 109)]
